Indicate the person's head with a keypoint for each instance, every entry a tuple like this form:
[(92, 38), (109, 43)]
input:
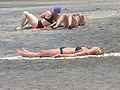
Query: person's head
[(56, 9), (81, 19), (96, 50)]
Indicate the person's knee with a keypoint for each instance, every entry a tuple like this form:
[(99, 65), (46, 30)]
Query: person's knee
[(64, 14), (42, 51), (25, 12), (70, 15)]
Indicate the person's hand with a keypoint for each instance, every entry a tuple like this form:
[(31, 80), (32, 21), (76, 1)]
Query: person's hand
[(47, 28)]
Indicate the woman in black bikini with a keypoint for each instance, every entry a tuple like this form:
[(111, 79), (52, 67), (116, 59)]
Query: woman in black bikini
[(47, 18), (61, 52)]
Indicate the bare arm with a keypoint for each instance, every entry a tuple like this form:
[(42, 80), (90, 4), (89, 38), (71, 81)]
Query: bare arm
[(52, 24), (72, 55), (45, 14), (48, 27), (63, 55)]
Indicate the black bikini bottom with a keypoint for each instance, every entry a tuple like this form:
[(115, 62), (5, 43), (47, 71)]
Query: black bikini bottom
[(40, 24)]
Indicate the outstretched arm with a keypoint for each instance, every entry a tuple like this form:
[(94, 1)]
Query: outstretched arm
[(71, 55), (53, 24), (46, 28), (63, 55)]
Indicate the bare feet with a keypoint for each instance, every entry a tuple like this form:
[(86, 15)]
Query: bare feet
[(18, 28), (24, 50), (69, 27), (19, 52)]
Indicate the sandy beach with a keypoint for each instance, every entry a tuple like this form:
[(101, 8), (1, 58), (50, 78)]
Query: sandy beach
[(102, 29)]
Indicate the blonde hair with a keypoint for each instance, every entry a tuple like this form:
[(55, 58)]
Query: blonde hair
[(98, 51), (81, 20)]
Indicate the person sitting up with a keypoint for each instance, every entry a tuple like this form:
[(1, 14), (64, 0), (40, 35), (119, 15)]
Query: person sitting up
[(70, 21), (61, 52), (47, 18)]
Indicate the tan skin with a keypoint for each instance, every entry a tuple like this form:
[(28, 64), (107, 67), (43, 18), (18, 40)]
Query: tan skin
[(33, 20), (70, 20), (68, 52)]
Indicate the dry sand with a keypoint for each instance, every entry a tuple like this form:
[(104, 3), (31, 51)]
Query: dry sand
[(102, 29)]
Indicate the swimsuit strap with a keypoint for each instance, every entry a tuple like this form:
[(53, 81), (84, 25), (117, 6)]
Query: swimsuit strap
[(61, 50)]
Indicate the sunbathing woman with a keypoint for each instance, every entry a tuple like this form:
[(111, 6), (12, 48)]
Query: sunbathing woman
[(70, 21), (47, 18), (61, 52)]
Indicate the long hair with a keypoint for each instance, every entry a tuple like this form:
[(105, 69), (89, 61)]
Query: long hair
[(55, 17)]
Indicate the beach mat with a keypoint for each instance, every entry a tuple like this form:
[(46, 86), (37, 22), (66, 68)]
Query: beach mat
[(117, 54)]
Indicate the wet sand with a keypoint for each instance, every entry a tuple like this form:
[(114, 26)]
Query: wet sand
[(101, 29)]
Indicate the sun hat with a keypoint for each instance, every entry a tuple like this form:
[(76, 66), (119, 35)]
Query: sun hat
[(56, 9)]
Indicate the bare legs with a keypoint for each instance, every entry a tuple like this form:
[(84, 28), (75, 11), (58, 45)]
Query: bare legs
[(25, 53), (62, 19), (68, 20), (28, 18)]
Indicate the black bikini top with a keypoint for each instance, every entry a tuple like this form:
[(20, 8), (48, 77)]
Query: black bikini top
[(78, 48), (50, 20)]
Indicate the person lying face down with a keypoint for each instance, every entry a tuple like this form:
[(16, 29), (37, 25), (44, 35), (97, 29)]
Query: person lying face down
[(61, 52), (47, 18), (70, 21)]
